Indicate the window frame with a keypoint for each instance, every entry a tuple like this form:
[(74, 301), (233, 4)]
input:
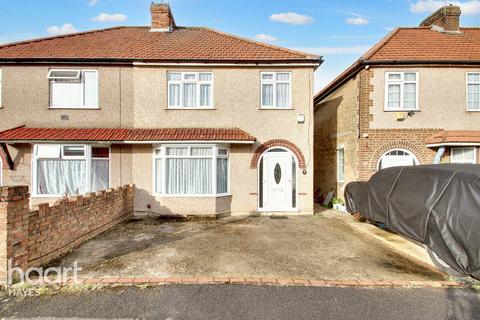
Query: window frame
[(81, 79), (275, 82), (198, 82), (402, 83), (88, 163), (342, 150), (467, 82), (214, 156), (463, 148)]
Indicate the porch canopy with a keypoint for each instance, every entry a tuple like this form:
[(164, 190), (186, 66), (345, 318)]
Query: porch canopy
[(447, 138), (24, 134)]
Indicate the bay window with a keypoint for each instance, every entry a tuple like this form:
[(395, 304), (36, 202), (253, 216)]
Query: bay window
[(401, 91), (190, 90), (473, 91), (60, 170), (464, 155), (275, 90), (191, 170), (73, 88)]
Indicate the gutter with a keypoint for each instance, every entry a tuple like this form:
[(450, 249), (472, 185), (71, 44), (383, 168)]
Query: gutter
[(3, 142)]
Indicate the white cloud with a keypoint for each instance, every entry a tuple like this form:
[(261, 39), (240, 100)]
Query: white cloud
[(92, 2), (110, 17), (336, 50), (388, 28), (471, 7), (292, 18), (357, 21), (266, 38), (63, 29)]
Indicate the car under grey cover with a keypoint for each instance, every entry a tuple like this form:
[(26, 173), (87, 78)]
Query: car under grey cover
[(437, 205)]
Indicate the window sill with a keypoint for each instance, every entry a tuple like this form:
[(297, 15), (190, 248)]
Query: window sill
[(192, 196), (273, 108), (467, 110), (403, 110), (202, 108), (74, 108)]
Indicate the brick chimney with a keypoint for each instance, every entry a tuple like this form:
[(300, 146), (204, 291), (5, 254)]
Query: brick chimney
[(446, 18), (162, 17)]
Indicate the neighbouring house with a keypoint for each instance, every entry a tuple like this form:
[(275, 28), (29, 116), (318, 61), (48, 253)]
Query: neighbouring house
[(202, 122), (413, 98)]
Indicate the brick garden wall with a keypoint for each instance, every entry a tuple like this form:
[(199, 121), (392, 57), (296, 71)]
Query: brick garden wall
[(33, 238)]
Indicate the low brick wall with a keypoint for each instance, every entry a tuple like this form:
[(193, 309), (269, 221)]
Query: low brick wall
[(33, 238)]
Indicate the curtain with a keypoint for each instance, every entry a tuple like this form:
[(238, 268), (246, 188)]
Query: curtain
[(222, 175), (409, 95), (66, 94), (91, 88), (394, 96), (474, 97), (189, 176), (190, 95), (267, 95), (100, 175), (205, 95), (58, 177), (174, 95), (283, 95), (158, 175)]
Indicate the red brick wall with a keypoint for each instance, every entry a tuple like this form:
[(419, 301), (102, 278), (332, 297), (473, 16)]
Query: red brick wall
[(33, 238)]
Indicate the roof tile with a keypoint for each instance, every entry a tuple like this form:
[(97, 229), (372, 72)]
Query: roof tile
[(124, 134)]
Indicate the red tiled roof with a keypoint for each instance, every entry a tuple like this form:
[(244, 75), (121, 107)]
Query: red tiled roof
[(444, 137), (138, 43), (123, 134), (421, 45)]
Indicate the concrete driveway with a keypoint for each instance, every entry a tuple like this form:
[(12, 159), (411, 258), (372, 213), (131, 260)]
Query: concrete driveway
[(295, 247)]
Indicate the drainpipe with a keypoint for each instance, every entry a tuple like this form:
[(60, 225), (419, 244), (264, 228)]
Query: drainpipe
[(439, 155)]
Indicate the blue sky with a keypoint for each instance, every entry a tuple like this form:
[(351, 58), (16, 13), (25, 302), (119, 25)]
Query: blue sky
[(338, 30)]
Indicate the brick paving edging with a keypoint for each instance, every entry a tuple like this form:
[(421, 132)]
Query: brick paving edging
[(260, 281)]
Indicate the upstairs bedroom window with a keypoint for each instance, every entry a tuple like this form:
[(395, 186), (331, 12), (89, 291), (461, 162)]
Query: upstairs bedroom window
[(76, 89), (473, 91), (60, 170), (276, 90), (401, 91), (190, 90)]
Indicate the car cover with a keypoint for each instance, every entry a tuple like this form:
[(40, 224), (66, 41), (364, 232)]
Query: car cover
[(437, 205)]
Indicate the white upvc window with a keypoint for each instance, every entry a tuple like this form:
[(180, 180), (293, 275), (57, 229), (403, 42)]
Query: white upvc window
[(276, 90), (73, 89), (464, 155), (473, 91), (190, 90), (72, 169), (340, 165), (401, 91), (191, 170)]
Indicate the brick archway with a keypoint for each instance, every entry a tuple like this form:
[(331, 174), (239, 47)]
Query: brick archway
[(278, 143), (413, 149)]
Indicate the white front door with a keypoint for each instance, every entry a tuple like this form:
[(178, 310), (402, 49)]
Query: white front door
[(277, 181)]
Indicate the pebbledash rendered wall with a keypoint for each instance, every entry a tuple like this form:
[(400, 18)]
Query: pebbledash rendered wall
[(33, 238)]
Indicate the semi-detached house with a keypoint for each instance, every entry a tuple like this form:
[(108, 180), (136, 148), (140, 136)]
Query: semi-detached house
[(200, 121), (413, 98)]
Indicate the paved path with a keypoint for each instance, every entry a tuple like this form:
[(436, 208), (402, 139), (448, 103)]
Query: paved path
[(243, 247), (250, 302)]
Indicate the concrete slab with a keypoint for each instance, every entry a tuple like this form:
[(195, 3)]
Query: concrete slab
[(317, 247)]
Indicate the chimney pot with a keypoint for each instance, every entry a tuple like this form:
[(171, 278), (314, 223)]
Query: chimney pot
[(446, 18), (162, 17)]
